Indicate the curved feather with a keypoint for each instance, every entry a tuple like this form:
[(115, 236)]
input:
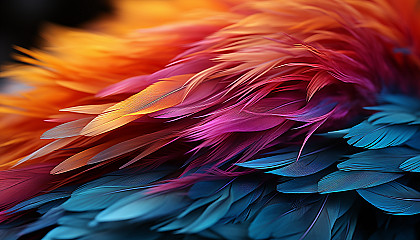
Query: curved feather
[(394, 198), (65, 130), (344, 181), (411, 165), (378, 136), (163, 94), (381, 160)]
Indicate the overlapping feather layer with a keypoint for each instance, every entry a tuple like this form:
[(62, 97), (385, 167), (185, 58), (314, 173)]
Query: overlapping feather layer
[(259, 120)]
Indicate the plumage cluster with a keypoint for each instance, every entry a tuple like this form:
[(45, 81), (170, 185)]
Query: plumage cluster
[(218, 119)]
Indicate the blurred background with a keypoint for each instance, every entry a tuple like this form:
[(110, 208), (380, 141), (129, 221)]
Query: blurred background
[(22, 20)]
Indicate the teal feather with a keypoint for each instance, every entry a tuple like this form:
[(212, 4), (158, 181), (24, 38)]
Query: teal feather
[(350, 180), (394, 198), (412, 164)]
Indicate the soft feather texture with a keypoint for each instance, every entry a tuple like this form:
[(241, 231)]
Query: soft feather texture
[(218, 119)]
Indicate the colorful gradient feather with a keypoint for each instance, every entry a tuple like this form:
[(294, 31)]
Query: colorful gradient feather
[(218, 119)]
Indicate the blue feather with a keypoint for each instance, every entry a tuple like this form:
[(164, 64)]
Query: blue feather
[(231, 231), (345, 226), (312, 160), (200, 203), (263, 225), (284, 157), (9, 234), (394, 198), (350, 180), (206, 188), (79, 220), (382, 160), (239, 211), (127, 233), (97, 198), (125, 178), (310, 163), (178, 223), (387, 108), (141, 206), (48, 219), (211, 215), (38, 201), (412, 164), (242, 188), (64, 232), (371, 136), (401, 100), (308, 219), (107, 190), (414, 141), (307, 184), (392, 118)]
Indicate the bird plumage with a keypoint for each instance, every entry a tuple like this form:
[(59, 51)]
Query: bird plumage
[(260, 120)]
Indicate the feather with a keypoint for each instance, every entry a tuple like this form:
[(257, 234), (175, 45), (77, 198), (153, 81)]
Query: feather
[(413, 142), (230, 231), (371, 136), (411, 165), (310, 163), (96, 198), (401, 100), (40, 200), (345, 226), (23, 183), (151, 149), (393, 197), (64, 232), (158, 96), (306, 184), (131, 145), (288, 163), (57, 144), (392, 118), (206, 188), (108, 190), (79, 160), (48, 219), (69, 129), (283, 158), (88, 109), (228, 120), (213, 213), (349, 180), (281, 221), (390, 160), (145, 206)]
